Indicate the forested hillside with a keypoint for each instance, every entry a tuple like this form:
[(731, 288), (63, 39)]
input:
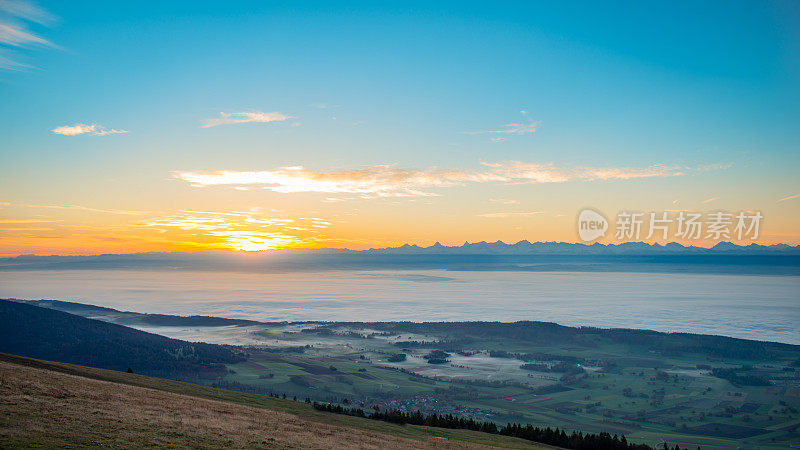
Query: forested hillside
[(58, 336)]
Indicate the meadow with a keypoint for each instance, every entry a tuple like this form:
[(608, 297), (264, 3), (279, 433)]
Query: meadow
[(717, 397)]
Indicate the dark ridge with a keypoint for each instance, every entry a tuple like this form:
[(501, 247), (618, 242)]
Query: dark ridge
[(52, 335), (128, 317)]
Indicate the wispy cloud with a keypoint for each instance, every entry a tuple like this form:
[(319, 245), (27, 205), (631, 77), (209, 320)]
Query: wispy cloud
[(503, 201), (519, 128), (382, 181), (390, 181), (712, 167), (626, 173), (504, 215), (522, 172), (82, 128), (250, 231), (788, 198), (18, 221), (79, 208), (26, 10), (15, 16), (18, 37), (246, 117), (709, 200)]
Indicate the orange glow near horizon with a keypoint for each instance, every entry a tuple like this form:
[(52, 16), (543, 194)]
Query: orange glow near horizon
[(88, 231)]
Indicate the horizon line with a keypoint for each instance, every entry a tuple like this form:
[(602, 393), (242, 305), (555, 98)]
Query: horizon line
[(436, 245)]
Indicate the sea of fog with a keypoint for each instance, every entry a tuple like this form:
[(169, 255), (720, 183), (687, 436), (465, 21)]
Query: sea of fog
[(747, 306)]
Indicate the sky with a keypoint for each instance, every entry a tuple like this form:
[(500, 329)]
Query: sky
[(184, 126)]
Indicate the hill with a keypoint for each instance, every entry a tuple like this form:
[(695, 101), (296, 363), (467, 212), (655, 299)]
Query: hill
[(135, 318), (55, 405), (55, 335), (527, 331)]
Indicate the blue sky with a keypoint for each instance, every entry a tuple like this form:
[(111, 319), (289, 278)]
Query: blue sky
[(416, 86)]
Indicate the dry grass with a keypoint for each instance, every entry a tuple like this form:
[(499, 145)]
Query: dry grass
[(43, 408)]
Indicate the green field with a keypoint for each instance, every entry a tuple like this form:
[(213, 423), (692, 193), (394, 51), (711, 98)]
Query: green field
[(623, 388)]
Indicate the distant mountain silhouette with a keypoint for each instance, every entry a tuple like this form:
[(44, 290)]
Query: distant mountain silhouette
[(565, 248), (725, 257)]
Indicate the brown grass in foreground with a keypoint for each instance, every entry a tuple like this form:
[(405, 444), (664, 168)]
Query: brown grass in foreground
[(45, 408)]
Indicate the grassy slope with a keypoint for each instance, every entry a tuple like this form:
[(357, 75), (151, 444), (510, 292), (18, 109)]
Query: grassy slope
[(46, 403)]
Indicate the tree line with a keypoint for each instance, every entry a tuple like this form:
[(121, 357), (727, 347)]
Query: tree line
[(545, 435)]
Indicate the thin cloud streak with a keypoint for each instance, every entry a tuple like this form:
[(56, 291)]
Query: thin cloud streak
[(26, 10), (14, 15), (17, 221), (382, 181), (389, 181), (241, 231), (81, 208), (17, 37), (504, 201), (788, 198), (82, 128), (511, 129), (505, 215), (246, 117)]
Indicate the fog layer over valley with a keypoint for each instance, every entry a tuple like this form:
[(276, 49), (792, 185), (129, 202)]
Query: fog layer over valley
[(755, 306)]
